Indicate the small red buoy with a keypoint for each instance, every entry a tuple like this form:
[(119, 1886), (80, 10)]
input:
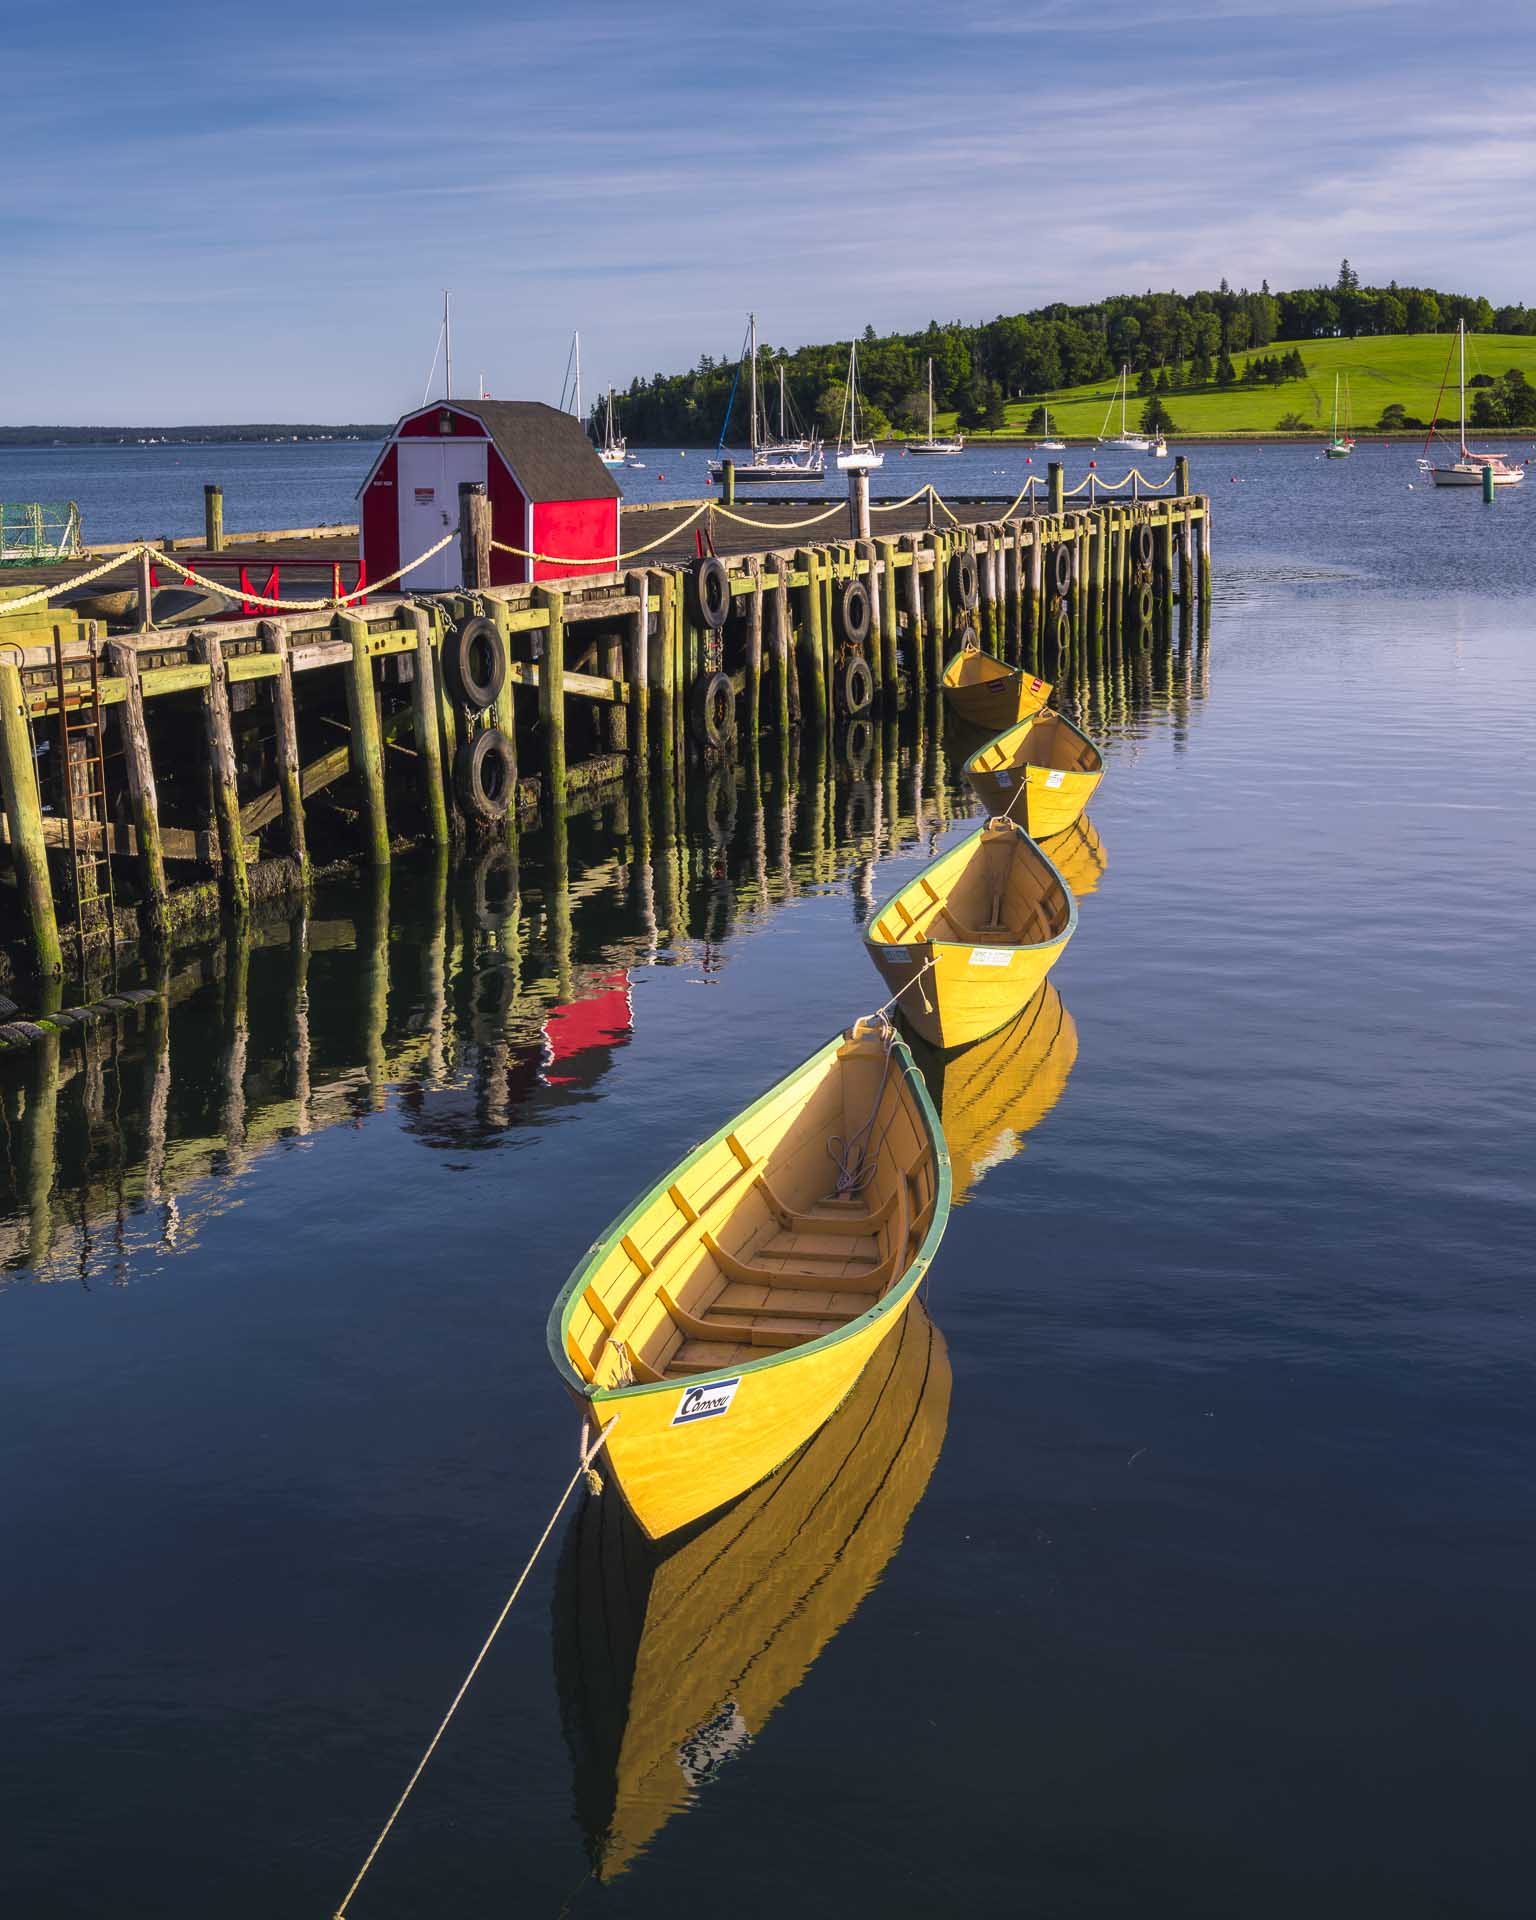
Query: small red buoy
[(1029, 459), (1093, 463)]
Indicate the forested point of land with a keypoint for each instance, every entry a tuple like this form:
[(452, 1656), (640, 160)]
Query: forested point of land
[(991, 377)]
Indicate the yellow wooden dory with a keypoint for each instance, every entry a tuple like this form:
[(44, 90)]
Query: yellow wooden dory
[(669, 1660), (984, 693), (1058, 766), (990, 1095), (992, 916), (732, 1308), (1078, 856)]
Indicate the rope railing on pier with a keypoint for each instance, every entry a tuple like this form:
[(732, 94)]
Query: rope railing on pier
[(589, 559), (1098, 486), (781, 526), (360, 592)]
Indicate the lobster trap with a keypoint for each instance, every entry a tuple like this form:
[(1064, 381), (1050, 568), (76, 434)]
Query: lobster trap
[(38, 530)]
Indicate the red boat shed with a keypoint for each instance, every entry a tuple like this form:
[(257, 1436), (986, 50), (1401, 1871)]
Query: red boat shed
[(549, 493)]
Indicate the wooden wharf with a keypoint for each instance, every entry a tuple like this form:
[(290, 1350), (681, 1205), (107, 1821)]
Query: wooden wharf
[(155, 779)]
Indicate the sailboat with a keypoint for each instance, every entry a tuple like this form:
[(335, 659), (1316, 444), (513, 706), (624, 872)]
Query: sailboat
[(1468, 469), (1048, 445), (785, 442), (951, 443), (1137, 442), (861, 454), (615, 448), (769, 461), (1341, 446)]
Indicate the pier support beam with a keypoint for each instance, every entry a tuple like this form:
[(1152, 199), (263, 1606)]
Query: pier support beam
[(429, 746), (552, 694), (1205, 549), (783, 649), (274, 639), (24, 811), (755, 651), (812, 641), (367, 736), (139, 766), (475, 535), (1058, 487), (887, 551), (639, 584), (225, 772)]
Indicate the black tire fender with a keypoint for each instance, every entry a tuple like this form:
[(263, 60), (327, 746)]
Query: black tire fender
[(855, 685), (712, 708), (1061, 570), (475, 660), (483, 774), (963, 581), (854, 612), (1144, 547), (711, 591)]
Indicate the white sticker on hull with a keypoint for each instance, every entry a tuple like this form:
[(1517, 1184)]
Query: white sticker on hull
[(1054, 779), (704, 1401), (991, 956)]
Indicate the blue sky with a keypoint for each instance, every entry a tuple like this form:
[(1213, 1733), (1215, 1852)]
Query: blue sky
[(217, 214)]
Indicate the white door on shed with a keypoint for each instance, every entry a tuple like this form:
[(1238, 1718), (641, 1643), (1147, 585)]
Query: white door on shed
[(429, 475)]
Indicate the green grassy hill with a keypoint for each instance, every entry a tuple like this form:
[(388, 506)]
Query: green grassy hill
[(1405, 367)]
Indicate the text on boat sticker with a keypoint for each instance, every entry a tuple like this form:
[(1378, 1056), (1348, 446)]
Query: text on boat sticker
[(1054, 779), (990, 956), (1004, 778), (703, 1402)]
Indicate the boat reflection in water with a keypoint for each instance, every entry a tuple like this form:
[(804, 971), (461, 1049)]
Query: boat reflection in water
[(990, 1095), (671, 1660), (1078, 856)]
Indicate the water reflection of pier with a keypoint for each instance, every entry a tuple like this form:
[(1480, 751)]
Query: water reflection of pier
[(479, 997)]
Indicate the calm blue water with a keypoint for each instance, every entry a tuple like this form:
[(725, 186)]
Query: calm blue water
[(1221, 1596)]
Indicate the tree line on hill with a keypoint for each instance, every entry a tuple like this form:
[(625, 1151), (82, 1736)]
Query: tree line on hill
[(1173, 343)]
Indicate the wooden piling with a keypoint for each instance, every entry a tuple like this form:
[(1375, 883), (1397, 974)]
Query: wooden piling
[(660, 667), (145, 592), (274, 639), (24, 811), (1165, 560), (140, 769), (213, 519), (429, 747), (875, 648), (638, 584), (888, 677), (367, 744), (1058, 487), (224, 770), (1205, 549), (475, 535), (552, 694), (812, 642), (755, 650), (783, 650)]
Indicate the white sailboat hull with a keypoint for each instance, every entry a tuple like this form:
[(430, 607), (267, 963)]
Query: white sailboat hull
[(859, 462), (1470, 474)]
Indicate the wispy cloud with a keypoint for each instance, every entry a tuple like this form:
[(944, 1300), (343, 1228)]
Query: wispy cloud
[(261, 217)]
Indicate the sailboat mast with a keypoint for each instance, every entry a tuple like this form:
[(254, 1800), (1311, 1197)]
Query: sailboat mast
[(448, 347), (781, 400), (853, 393), (1461, 340), (930, 396), (752, 349), (576, 349)]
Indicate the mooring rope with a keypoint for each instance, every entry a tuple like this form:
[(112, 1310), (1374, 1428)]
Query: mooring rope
[(588, 559), (588, 1455), (66, 586), (782, 526), (895, 506), (360, 592)]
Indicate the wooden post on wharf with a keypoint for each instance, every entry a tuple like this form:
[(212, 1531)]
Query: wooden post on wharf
[(661, 658), (123, 657), (1205, 552), (933, 607), (475, 535), (783, 647), (504, 714), (367, 744), (224, 772), (638, 584), (813, 645), (274, 640), (1165, 564), (213, 519), (754, 650), (915, 614), (552, 695), (1058, 488), (867, 552), (887, 622), (24, 812), (144, 575), (429, 746)]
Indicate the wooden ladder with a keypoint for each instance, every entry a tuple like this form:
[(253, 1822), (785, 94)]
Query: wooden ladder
[(82, 779)]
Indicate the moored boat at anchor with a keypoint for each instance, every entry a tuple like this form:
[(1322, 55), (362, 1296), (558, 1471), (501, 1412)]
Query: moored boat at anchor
[(722, 1317), (1054, 763), (984, 693), (968, 941)]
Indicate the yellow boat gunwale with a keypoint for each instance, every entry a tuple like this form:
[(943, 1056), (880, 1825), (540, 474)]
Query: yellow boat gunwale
[(1018, 946), (1029, 722), (895, 1296)]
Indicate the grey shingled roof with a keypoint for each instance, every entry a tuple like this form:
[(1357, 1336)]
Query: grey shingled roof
[(546, 449)]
